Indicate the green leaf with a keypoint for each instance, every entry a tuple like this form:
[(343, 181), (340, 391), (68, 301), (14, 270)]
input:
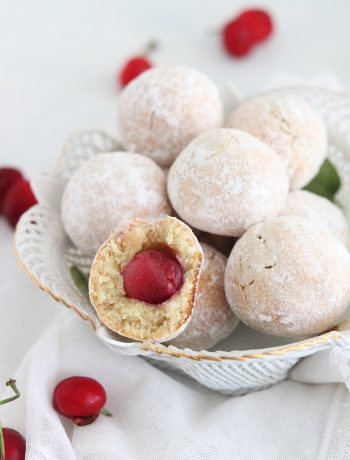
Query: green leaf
[(80, 281), (326, 183)]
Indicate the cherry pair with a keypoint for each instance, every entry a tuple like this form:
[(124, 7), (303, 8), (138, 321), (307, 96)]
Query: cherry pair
[(241, 34), (16, 195)]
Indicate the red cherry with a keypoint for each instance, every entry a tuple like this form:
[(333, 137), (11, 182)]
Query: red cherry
[(238, 38), (8, 176), (260, 23), (15, 445), (152, 277), (132, 69), (17, 200), (79, 398)]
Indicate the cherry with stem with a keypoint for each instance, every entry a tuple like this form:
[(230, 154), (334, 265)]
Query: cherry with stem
[(12, 384)]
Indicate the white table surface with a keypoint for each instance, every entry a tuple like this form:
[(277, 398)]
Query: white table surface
[(58, 61)]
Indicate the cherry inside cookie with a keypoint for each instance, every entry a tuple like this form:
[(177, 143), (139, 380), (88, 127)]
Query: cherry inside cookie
[(152, 276), (144, 279)]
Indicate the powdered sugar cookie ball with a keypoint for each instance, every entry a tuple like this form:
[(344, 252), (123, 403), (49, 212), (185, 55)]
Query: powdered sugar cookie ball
[(287, 276), (108, 189), (163, 109), (328, 216), (212, 318), (290, 127), (226, 180)]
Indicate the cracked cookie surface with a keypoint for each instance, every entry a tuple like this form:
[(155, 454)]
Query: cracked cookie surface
[(225, 181), (290, 127), (163, 109), (288, 277)]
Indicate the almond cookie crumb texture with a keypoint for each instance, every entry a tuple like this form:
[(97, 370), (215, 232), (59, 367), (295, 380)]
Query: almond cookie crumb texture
[(133, 318)]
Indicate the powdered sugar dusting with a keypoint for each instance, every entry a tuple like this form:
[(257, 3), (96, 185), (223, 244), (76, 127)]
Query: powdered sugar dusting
[(291, 270), (328, 216), (161, 111), (265, 318), (109, 189), (294, 131), (212, 318), (225, 181)]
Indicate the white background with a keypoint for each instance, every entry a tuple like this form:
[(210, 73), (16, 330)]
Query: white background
[(58, 62)]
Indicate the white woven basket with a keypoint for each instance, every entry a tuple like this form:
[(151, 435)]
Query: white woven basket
[(45, 252)]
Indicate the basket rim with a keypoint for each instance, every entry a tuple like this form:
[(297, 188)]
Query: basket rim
[(221, 356), (42, 286)]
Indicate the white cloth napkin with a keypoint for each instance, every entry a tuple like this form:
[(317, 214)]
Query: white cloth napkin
[(159, 415)]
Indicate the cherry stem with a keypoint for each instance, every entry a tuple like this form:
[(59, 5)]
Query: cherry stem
[(149, 48), (106, 412), (214, 30), (12, 384)]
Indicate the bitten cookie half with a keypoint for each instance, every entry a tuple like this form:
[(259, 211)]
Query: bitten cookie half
[(144, 279)]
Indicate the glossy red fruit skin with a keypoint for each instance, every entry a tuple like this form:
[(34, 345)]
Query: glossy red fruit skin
[(152, 277), (8, 176), (237, 38), (15, 445), (260, 23), (17, 200), (132, 69), (79, 398)]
